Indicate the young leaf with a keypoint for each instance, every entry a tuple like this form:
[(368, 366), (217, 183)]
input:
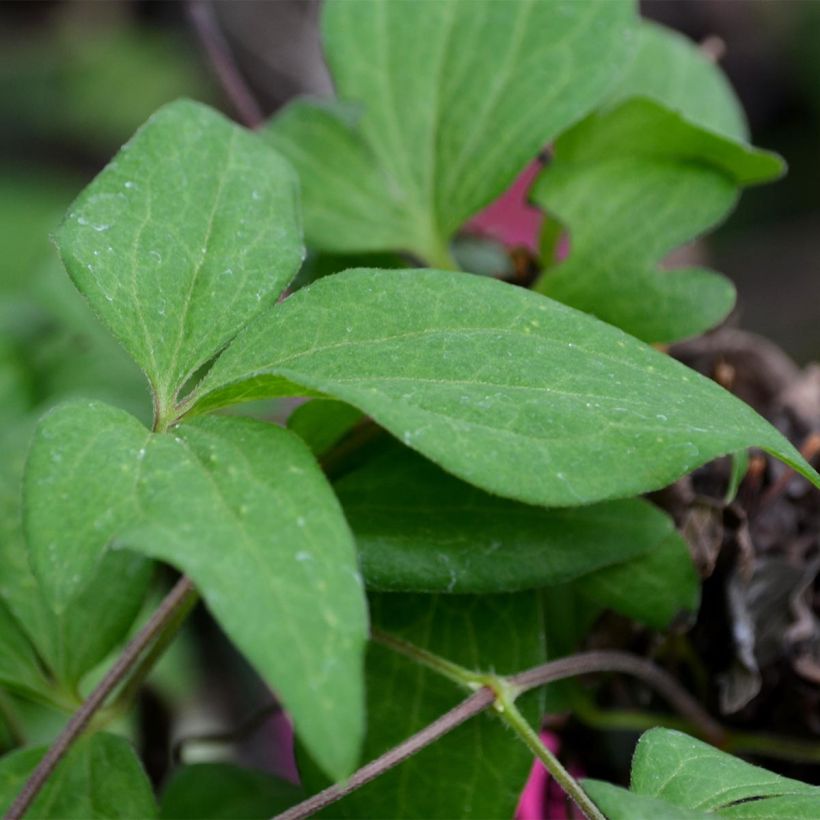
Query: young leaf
[(621, 804), (98, 618), (74, 639), (654, 588), (686, 772), (188, 233), (244, 510), (510, 391), (222, 791), (80, 491), (418, 529), (671, 69), (624, 215), (477, 770), (100, 778), (657, 167), (425, 135), (19, 589), (19, 666)]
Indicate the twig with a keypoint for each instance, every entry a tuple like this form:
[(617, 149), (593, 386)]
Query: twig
[(583, 663), (149, 660), (220, 56), (473, 705), (448, 669), (509, 713), (177, 598)]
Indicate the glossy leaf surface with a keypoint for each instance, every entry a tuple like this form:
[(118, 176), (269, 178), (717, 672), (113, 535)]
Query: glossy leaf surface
[(419, 529), (510, 391), (689, 773), (72, 638), (676, 776), (189, 232), (243, 509), (80, 491)]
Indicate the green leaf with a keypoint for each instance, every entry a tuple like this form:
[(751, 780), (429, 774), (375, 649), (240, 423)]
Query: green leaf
[(740, 466), (243, 509), (424, 135), (419, 529), (686, 772), (80, 491), (624, 215), (222, 791), (789, 807), (99, 617), (656, 167), (89, 624), (322, 424), (19, 666), (654, 588), (507, 390), (671, 69), (479, 769), (187, 234), (621, 804), (100, 778)]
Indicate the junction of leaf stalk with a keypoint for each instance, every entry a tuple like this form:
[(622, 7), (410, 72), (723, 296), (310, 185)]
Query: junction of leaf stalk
[(499, 692)]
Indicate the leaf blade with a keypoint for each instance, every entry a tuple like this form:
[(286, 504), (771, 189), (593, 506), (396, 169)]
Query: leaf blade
[(100, 778), (689, 773), (505, 389), (438, 136), (478, 769), (418, 529), (171, 208), (243, 509)]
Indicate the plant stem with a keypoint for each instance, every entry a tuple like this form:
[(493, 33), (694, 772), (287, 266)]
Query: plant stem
[(504, 690), (448, 669), (777, 747), (509, 713), (473, 705), (585, 663), (177, 598), (219, 53), (149, 660)]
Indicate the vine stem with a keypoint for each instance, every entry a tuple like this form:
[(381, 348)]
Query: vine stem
[(473, 705), (177, 599), (509, 688), (509, 713), (219, 53)]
